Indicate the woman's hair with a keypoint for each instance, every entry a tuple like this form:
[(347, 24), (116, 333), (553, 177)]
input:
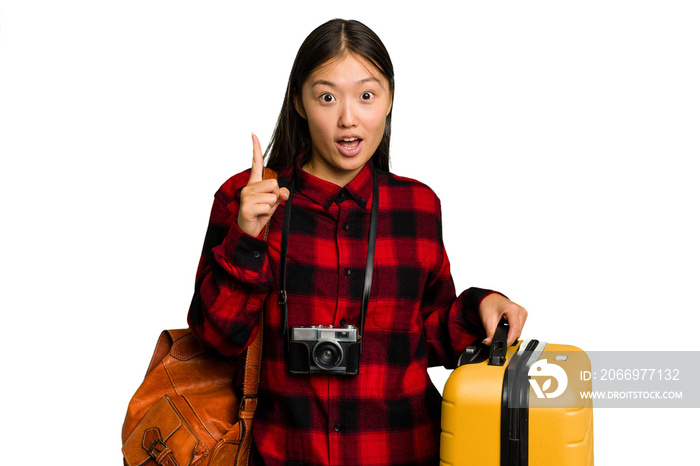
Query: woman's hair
[(334, 39)]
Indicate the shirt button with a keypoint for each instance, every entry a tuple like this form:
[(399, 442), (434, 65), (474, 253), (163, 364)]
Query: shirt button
[(256, 254), (337, 427), (348, 271), (346, 227)]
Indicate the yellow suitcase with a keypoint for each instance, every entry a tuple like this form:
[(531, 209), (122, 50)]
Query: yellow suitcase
[(518, 406)]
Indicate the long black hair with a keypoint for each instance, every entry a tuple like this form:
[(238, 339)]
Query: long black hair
[(291, 138)]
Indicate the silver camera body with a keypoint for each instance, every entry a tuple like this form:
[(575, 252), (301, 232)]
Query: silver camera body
[(324, 350)]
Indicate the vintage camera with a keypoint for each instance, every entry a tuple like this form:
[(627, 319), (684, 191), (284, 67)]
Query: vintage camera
[(325, 350)]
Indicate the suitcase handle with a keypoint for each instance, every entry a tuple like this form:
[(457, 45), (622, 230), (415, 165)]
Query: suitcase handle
[(499, 344), (496, 356)]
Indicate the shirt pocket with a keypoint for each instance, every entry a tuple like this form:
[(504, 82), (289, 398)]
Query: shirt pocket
[(396, 304), (395, 316)]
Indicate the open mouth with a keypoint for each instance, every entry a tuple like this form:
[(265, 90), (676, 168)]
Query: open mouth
[(349, 145)]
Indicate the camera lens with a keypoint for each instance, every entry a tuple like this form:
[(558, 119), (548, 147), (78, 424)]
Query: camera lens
[(327, 354)]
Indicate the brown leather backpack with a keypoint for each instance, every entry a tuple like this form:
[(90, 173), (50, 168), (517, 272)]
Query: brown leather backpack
[(187, 411)]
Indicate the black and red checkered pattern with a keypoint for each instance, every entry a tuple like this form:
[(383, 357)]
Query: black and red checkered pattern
[(388, 414)]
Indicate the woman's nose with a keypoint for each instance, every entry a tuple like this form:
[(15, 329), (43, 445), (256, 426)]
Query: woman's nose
[(348, 116)]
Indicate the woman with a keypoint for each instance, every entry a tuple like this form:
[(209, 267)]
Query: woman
[(331, 152)]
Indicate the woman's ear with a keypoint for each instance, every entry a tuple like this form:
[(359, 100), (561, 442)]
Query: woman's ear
[(299, 107)]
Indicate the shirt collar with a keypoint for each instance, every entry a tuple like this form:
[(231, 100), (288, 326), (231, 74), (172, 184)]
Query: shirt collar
[(326, 193)]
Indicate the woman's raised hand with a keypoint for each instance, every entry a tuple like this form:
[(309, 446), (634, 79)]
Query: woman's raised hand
[(260, 197)]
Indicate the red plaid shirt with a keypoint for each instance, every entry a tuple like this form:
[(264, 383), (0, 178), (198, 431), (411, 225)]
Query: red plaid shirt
[(390, 412)]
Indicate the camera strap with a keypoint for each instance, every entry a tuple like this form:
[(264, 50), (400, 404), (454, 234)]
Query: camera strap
[(370, 255)]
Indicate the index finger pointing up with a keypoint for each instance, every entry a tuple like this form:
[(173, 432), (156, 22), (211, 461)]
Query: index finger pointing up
[(256, 173)]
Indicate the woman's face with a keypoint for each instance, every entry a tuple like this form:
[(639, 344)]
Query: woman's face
[(345, 101)]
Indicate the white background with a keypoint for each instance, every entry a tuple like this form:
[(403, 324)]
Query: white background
[(562, 138)]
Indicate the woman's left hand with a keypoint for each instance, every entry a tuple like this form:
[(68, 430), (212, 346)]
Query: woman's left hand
[(496, 306)]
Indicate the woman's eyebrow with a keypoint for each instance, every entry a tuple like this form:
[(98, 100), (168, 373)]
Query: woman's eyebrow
[(323, 82)]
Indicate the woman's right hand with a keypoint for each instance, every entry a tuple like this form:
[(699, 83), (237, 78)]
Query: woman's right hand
[(260, 197)]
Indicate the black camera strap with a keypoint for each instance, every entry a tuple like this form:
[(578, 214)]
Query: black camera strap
[(368, 268)]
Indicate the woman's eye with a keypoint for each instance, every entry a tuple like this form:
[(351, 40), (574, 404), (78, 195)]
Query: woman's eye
[(327, 98), (366, 95)]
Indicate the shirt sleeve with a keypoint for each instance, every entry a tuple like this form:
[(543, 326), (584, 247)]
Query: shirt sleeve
[(233, 279), (450, 322)]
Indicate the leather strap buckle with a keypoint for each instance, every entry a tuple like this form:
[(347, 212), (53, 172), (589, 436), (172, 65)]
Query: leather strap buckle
[(247, 397), (160, 452)]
